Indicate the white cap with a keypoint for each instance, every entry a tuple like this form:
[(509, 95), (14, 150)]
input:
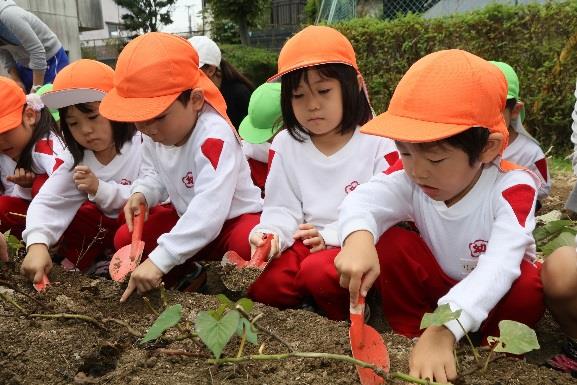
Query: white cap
[(208, 51)]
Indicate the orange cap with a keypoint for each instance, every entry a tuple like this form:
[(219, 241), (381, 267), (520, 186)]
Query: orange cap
[(441, 95), (83, 81), (151, 72), (12, 101)]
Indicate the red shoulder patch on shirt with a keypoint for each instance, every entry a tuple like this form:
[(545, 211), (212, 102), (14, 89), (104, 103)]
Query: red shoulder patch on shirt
[(57, 163), (271, 155), (520, 197), (212, 148), (392, 158), (44, 146), (397, 166), (541, 165)]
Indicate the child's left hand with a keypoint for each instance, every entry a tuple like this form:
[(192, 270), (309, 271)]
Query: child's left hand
[(310, 237), (432, 357), (146, 277), (22, 177), (85, 179)]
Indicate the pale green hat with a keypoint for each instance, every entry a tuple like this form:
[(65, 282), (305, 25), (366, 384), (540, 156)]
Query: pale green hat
[(264, 114), (41, 91), (512, 83)]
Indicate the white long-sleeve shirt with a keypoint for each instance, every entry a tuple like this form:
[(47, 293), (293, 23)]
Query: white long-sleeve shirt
[(480, 240), (207, 180), (53, 209), (47, 156), (526, 152), (306, 186)]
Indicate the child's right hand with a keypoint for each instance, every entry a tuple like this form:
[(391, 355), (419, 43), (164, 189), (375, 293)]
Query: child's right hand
[(132, 208), (22, 177), (36, 263), (358, 264), (257, 241)]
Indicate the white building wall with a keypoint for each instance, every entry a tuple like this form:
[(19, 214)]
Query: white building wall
[(111, 13)]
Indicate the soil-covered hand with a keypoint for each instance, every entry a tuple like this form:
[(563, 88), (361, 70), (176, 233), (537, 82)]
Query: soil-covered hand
[(432, 357), (311, 237), (36, 263), (85, 179), (256, 240), (358, 264), (145, 278), (22, 177), (132, 208)]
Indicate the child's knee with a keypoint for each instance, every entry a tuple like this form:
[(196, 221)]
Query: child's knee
[(559, 274)]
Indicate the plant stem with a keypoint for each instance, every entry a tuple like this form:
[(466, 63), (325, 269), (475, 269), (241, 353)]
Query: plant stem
[(261, 328), (125, 324), (13, 287), (150, 307), (70, 316), (489, 358), (475, 352), (163, 296), (242, 341), (180, 352), (11, 301)]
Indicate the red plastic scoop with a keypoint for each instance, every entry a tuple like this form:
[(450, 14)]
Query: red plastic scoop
[(259, 259), (367, 345), (43, 284), (125, 260)]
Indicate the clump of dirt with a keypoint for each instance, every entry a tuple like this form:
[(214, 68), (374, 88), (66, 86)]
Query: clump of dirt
[(239, 280)]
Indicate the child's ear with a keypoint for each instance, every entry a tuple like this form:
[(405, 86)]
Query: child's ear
[(29, 117), (197, 99), (517, 109), (492, 148)]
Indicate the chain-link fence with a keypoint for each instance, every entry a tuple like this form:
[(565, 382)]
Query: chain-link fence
[(331, 11)]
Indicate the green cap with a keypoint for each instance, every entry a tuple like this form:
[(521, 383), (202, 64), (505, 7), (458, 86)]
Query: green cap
[(512, 83), (264, 114), (41, 91)]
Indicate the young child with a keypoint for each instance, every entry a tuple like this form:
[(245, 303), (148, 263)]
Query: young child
[(474, 213), (319, 159), (78, 206), (191, 155), (30, 150), (258, 129), (523, 149)]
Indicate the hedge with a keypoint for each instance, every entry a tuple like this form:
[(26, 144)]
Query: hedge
[(255, 63)]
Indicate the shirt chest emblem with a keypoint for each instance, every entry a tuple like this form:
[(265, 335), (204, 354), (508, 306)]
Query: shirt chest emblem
[(188, 180), (477, 248), (125, 182), (351, 186)]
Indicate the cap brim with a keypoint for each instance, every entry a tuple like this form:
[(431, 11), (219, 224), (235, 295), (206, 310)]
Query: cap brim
[(11, 121), (121, 109), (254, 135), (65, 98), (410, 130), (308, 63)]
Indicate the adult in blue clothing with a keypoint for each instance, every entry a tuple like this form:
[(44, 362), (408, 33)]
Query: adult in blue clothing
[(29, 51)]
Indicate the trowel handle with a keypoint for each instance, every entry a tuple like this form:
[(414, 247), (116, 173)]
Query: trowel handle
[(138, 223)]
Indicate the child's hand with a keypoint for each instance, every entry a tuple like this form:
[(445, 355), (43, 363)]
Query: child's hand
[(22, 177), (358, 264), (310, 237), (432, 357), (145, 278), (3, 248), (132, 208), (257, 241), (36, 263), (85, 180)]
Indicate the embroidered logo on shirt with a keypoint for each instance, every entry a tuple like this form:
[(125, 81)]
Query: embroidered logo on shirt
[(188, 180), (125, 182), (520, 197), (211, 148), (477, 248), (352, 186)]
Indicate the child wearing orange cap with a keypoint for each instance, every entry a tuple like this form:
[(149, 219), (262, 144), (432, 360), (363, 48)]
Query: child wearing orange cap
[(316, 161), (192, 156), (475, 249), (30, 150), (80, 202)]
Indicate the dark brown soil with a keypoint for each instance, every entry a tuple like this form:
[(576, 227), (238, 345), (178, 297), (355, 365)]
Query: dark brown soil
[(238, 280), (36, 350)]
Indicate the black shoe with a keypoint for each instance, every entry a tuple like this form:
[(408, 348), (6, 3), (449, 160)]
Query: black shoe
[(195, 281)]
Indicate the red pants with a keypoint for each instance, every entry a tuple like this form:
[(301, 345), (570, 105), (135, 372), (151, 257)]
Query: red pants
[(13, 215), (411, 282), (88, 236), (162, 218), (296, 275)]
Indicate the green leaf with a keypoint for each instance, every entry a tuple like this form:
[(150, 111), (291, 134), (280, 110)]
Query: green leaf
[(515, 338), (440, 316), (13, 243), (223, 300), (563, 239), (251, 334), (246, 304), (216, 333), (167, 319), (549, 229)]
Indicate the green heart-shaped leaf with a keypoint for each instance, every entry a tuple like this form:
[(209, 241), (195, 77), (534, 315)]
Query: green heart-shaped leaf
[(167, 319), (440, 316), (566, 238), (251, 334), (216, 333), (246, 304), (515, 338)]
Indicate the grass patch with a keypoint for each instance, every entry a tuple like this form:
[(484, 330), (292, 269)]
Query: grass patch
[(559, 164)]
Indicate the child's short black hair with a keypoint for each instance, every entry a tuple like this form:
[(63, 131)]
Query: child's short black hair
[(356, 108), (472, 141), (184, 96), (42, 129), (510, 104), (122, 132)]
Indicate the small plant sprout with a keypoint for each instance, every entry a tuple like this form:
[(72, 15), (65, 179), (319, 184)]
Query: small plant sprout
[(10, 245), (167, 319)]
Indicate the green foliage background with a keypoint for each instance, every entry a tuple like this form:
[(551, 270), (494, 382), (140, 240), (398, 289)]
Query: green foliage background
[(530, 38), (256, 63)]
